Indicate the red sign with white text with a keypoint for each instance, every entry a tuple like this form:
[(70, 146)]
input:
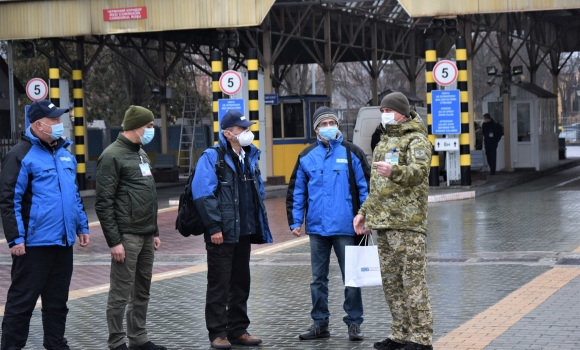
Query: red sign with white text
[(125, 13)]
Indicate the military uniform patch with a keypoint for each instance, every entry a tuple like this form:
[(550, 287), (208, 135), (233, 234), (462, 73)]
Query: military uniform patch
[(420, 154)]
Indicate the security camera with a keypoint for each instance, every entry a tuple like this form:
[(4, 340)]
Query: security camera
[(490, 82)]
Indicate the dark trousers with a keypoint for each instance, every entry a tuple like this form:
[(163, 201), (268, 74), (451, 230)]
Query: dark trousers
[(491, 155), (44, 272), (228, 289)]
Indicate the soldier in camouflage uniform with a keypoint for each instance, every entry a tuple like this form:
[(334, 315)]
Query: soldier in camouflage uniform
[(397, 208)]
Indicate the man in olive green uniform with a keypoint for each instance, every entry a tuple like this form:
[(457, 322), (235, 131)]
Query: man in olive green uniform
[(126, 205), (397, 208)]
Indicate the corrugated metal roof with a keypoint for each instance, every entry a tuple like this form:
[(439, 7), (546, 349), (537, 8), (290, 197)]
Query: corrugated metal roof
[(65, 18)]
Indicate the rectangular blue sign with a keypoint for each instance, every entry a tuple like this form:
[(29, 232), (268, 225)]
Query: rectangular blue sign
[(229, 104), (271, 99), (446, 112)]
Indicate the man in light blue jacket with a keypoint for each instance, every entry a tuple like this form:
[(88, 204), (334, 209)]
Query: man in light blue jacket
[(321, 190), (42, 213)]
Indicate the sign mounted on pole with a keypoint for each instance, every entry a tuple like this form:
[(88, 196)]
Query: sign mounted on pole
[(36, 89), (230, 82), (445, 72), (446, 112)]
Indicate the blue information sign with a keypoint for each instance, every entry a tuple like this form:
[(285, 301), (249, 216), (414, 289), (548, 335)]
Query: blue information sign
[(229, 104), (446, 112), (271, 99)]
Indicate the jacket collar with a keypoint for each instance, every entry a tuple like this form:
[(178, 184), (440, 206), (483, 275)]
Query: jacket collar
[(32, 138), (123, 140)]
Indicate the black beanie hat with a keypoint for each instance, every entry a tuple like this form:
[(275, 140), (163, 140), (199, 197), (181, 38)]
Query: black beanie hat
[(397, 102), (322, 113), (136, 117)]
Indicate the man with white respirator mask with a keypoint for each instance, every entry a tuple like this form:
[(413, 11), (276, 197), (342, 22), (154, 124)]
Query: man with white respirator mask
[(328, 184)]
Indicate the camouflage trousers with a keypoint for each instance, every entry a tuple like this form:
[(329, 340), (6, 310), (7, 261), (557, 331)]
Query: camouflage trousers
[(403, 268)]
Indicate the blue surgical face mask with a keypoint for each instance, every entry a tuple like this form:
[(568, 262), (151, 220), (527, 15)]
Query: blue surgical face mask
[(148, 134), (57, 131), (328, 133)]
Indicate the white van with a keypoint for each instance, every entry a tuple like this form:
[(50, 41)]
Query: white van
[(367, 120)]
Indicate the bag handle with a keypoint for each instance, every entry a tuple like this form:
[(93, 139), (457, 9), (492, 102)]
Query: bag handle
[(365, 239)]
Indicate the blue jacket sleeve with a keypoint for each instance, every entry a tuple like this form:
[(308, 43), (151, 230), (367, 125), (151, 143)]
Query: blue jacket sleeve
[(203, 187), (296, 196), (83, 222)]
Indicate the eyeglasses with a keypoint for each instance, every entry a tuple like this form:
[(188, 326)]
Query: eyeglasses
[(329, 123)]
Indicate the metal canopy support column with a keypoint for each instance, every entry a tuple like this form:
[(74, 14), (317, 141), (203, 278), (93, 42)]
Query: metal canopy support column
[(504, 47), (253, 104), (216, 73), (374, 68), (162, 92), (413, 63), (79, 123), (464, 153), (469, 47), (13, 119), (327, 56), (267, 64), (430, 60)]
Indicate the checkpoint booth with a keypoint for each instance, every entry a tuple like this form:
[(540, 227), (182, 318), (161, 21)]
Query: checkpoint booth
[(533, 126), (292, 130)]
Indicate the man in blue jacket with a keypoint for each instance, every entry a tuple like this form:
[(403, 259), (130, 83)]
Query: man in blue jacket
[(42, 213), (233, 212), (320, 189)]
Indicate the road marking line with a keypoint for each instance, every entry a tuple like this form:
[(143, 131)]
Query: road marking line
[(577, 250), (451, 197), (562, 183), (481, 330), (281, 246), (2, 241)]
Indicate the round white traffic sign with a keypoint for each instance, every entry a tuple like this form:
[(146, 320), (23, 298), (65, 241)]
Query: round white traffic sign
[(230, 82), (36, 89), (445, 72)]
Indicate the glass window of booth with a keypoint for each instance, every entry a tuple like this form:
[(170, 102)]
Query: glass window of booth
[(288, 120)]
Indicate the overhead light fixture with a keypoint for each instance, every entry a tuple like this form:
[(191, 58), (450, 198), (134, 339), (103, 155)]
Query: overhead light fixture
[(451, 22), (451, 31), (491, 70), (28, 49), (439, 31), (517, 70), (438, 23), (155, 89)]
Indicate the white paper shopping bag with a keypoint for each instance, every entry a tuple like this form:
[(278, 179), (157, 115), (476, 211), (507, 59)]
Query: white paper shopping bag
[(361, 266)]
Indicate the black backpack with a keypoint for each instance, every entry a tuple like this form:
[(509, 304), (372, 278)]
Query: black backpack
[(188, 221)]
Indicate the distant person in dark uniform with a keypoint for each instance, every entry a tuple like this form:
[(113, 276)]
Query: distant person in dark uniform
[(478, 136), (376, 137), (492, 133)]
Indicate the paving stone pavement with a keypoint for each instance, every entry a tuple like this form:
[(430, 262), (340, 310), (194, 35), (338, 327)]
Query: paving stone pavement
[(481, 251)]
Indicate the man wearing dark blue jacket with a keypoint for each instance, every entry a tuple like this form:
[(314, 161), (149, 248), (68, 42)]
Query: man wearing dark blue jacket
[(233, 212), (42, 213), (320, 190)]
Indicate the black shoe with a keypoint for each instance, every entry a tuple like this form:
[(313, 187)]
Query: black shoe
[(121, 347), (415, 346), (315, 331), (148, 346), (388, 344), (354, 332)]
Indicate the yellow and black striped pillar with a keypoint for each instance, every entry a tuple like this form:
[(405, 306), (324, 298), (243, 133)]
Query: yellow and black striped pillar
[(253, 105), (54, 76), (216, 72), (79, 112), (464, 151), (430, 60)]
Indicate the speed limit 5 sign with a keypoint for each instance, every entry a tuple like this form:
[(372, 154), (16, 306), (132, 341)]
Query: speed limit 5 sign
[(230, 82), (36, 89), (445, 72)]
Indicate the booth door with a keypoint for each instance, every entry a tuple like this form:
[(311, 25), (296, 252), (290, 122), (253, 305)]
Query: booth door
[(522, 136)]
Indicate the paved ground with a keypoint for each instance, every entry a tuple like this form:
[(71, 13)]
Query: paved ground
[(504, 273)]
